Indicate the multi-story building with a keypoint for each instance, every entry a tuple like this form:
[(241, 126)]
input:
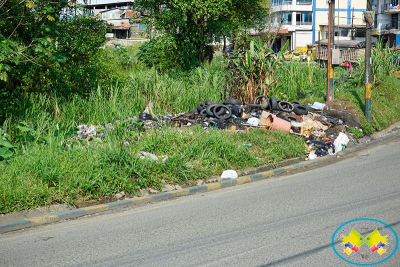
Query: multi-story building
[(118, 13), (349, 21), (304, 22), (387, 22), (97, 6), (293, 19)]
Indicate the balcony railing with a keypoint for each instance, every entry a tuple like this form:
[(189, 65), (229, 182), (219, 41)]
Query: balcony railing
[(281, 2), (303, 23), (390, 26), (391, 8), (290, 2), (305, 2)]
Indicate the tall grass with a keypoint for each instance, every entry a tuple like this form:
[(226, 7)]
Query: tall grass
[(51, 173), (299, 80), (383, 63), (167, 94)]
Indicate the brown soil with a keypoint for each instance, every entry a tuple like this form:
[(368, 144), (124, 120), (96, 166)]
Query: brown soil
[(342, 110)]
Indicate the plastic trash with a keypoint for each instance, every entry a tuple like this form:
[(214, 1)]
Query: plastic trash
[(318, 106), (146, 155), (229, 174), (253, 121), (341, 142), (312, 156)]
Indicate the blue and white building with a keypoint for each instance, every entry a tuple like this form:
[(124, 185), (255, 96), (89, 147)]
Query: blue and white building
[(295, 18), (387, 21), (306, 21)]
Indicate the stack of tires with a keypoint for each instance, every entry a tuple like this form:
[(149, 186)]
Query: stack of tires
[(222, 111)]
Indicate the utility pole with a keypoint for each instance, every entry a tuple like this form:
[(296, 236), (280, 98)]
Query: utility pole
[(368, 72), (331, 37), (352, 25)]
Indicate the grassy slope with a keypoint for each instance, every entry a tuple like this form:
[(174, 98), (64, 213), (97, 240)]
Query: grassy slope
[(385, 103), (52, 173), (60, 171)]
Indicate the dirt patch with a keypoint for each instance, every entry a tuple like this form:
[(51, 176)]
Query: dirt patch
[(341, 110)]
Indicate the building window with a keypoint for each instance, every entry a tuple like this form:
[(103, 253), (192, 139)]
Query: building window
[(304, 18), (281, 2), (395, 21), (360, 33), (344, 32), (287, 18), (304, 2)]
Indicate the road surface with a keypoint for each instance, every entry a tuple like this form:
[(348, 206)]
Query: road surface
[(284, 221)]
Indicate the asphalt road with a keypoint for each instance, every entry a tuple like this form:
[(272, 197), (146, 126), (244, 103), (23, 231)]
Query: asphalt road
[(285, 221)]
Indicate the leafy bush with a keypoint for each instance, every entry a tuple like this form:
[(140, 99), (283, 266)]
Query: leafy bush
[(6, 148), (159, 52)]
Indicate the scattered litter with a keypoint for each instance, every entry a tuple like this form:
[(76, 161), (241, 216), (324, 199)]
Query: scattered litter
[(199, 182), (85, 132), (341, 142), (146, 155), (279, 124), (253, 121), (309, 121), (229, 174), (318, 106), (189, 165), (312, 156)]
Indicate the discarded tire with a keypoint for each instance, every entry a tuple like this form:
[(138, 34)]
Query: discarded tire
[(237, 111), (285, 106), (273, 103), (222, 112), (200, 107), (233, 102), (300, 109), (265, 104), (253, 106), (203, 112), (209, 102), (295, 103), (260, 97), (145, 116), (290, 118), (210, 110)]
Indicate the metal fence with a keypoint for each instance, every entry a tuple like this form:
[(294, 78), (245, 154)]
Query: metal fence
[(351, 55)]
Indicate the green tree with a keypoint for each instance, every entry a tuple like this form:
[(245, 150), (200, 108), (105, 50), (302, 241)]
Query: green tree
[(46, 47), (44, 41), (192, 23)]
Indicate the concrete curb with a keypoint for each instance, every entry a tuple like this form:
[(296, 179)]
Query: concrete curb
[(71, 214)]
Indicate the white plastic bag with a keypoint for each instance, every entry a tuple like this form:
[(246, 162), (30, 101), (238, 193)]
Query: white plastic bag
[(229, 174), (341, 142)]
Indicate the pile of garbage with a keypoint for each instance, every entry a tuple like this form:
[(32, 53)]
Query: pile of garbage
[(324, 134)]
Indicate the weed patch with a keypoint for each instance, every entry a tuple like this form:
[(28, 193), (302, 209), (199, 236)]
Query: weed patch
[(49, 174)]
